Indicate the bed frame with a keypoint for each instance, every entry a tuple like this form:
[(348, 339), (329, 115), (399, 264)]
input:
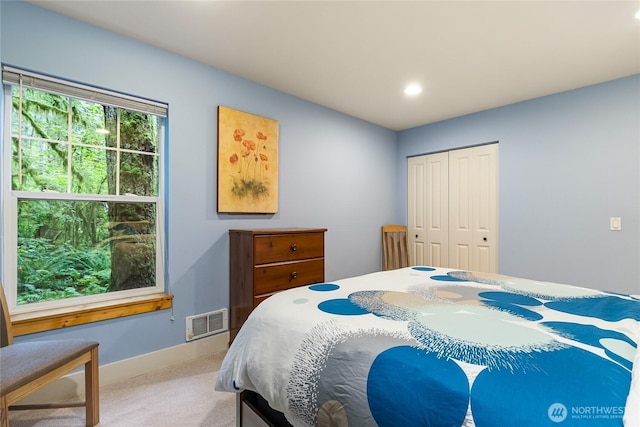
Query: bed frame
[(252, 410)]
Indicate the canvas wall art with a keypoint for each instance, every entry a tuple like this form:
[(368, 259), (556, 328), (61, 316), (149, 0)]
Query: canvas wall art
[(247, 162)]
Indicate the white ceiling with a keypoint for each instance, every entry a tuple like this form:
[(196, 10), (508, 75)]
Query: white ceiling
[(357, 56)]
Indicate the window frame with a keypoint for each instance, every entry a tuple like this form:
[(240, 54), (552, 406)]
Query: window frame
[(46, 315)]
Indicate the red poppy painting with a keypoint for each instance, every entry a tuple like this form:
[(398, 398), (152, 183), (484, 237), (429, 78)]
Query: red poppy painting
[(247, 162)]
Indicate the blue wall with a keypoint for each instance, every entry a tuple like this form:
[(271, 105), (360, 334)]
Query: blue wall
[(568, 162), (335, 171)]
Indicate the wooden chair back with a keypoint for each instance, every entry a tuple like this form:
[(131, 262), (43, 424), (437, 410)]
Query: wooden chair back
[(395, 247), (6, 335)]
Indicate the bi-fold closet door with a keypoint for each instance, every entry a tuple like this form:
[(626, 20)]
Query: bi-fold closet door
[(453, 208)]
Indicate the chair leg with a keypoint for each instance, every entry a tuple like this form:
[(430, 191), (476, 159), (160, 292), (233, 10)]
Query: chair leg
[(4, 412), (92, 389)]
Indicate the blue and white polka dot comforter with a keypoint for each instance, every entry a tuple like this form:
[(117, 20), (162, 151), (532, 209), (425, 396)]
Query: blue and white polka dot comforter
[(426, 346)]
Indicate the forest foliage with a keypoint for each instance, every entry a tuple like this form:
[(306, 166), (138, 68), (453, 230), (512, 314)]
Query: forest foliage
[(79, 245)]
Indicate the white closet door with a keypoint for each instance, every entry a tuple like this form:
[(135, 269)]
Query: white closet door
[(428, 206), (453, 209), (460, 228), (437, 210), (473, 208), (484, 191), (416, 197)]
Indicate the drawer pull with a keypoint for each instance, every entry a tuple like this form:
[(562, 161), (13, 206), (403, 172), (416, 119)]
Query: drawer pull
[(294, 275), (294, 247)]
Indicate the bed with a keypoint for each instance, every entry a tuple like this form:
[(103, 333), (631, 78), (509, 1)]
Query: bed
[(424, 346)]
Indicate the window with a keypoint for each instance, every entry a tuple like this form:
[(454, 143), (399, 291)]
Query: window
[(82, 194)]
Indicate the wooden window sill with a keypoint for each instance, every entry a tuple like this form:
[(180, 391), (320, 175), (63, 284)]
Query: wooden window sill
[(29, 323)]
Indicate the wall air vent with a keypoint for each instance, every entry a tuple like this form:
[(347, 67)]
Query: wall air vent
[(205, 324)]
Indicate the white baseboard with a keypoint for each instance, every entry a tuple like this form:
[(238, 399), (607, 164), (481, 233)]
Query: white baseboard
[(72, 385)]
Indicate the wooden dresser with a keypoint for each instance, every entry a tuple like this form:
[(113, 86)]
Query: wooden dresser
[(265, 261)]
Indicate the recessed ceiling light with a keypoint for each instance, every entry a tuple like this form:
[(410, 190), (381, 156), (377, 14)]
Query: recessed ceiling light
[(412, 89), (638, 14)]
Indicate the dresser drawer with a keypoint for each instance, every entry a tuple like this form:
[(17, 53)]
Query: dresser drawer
[(278, 277), (288, 247)]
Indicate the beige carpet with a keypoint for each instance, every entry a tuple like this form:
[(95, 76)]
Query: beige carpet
[(177, 396)]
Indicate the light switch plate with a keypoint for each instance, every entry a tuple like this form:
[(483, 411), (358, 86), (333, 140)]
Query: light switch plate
[(615, 223)]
